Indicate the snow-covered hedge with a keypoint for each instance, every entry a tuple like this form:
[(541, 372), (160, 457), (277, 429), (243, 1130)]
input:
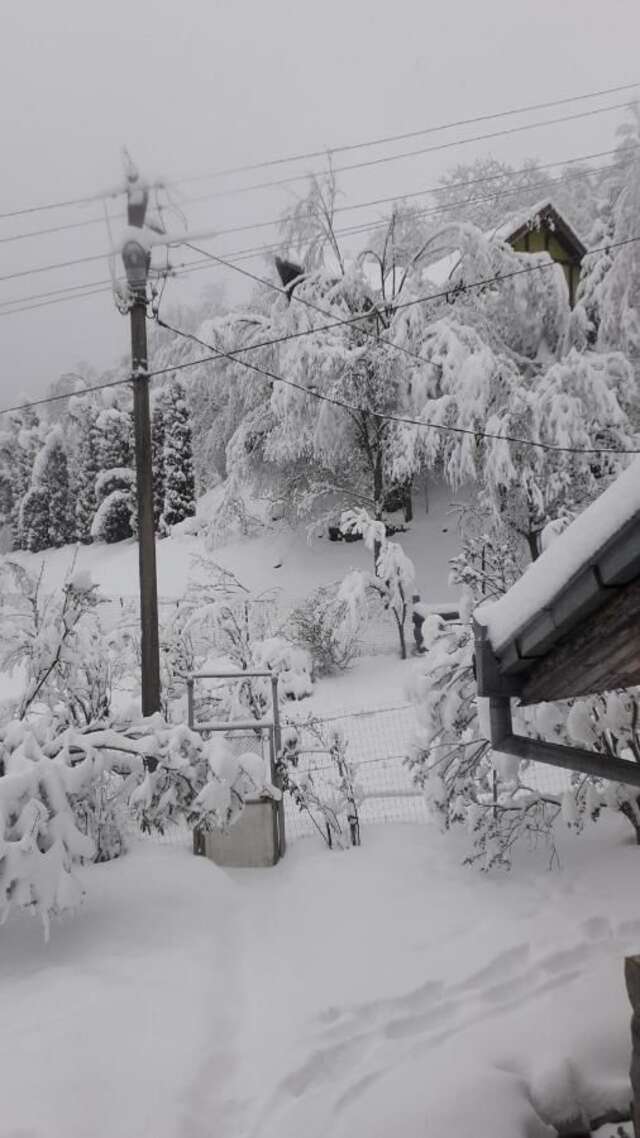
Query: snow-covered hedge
[(161, 773)]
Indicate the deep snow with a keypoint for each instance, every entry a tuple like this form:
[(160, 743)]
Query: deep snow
[(385, 990)]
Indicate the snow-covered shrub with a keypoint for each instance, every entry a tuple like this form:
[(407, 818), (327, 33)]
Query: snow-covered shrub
[(159, 772), (332, 800), (290, 663), (392, 580), (57, 639), (329, 628), (491, 794), (114, 517)]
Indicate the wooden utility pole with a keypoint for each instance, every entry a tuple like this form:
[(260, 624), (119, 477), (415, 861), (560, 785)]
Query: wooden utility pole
[(136, 257)]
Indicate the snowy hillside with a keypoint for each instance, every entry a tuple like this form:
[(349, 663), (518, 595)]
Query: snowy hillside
[(279, 558)]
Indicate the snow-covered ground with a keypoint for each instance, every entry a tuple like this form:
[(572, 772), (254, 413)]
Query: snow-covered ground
[(279, 558), (381, 991)]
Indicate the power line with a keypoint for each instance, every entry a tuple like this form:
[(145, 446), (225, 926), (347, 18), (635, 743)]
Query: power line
[(385, 140), (505, 175), (346, 231), (56, 398), (385, 159), (512, 111), (341, 169), (284, 218), (62, 204)]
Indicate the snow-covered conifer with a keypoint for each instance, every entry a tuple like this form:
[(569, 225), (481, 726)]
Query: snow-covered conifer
[(51, 473), (25, 428), (34, 520), (83, 464), (157, 456), (179, 487)]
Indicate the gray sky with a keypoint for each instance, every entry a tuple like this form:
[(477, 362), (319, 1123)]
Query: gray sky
[(206, 84)]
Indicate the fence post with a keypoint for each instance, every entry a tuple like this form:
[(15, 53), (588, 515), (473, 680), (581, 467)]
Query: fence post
[(632, 979), (276, 752)]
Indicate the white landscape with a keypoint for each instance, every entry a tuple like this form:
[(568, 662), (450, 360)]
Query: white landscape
[(320, 570)]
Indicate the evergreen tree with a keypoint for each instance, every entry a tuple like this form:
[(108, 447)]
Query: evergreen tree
[(114, 438), (114, 488), (114, 495), (83, 465), (46, 512), (157, 457), (34, 520), (7, 459), (25, 428), (179, 489), (56, 481)]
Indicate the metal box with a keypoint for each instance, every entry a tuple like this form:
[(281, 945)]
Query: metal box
[(255, 841)]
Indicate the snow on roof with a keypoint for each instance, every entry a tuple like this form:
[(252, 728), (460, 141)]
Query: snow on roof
[(508, 228), (517, 220), (575, 549)]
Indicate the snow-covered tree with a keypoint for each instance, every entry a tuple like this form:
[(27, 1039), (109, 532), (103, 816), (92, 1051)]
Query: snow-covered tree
[(83, 441), (179, 486), (157, 456), (391, 582), (51, 472), (162, 773), (114, 519), (26, 431), (34, 520)]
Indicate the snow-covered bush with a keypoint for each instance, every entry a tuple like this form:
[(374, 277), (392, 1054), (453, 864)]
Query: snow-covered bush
[(391, 581), (290, 663), (161, 773), (329, 628), (114, 517), (331, 801), (228, 624), (56, 639), (492, 795)]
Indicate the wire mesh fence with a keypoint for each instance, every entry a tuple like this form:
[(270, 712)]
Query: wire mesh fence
[(378, 743)]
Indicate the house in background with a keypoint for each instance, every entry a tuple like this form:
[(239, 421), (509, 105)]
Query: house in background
[(540, 229), (543, 229)]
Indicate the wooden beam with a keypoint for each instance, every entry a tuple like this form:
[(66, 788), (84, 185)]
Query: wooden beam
[(572, 759), (602, 653)]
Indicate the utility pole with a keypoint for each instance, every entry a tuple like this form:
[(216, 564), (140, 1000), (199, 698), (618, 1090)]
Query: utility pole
[(137, 257)]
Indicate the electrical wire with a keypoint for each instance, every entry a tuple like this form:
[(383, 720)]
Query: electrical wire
[(385, 159), (403, 137), (511, 111), (368, 227), (56, 398), (62, 204), (405, 195)]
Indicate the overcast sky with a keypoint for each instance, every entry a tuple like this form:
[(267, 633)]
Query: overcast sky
[(201, 85)]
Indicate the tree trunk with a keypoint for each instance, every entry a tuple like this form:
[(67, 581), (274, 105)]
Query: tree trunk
[(378, 501), (408, 503), (532, 542), (403, 642)]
